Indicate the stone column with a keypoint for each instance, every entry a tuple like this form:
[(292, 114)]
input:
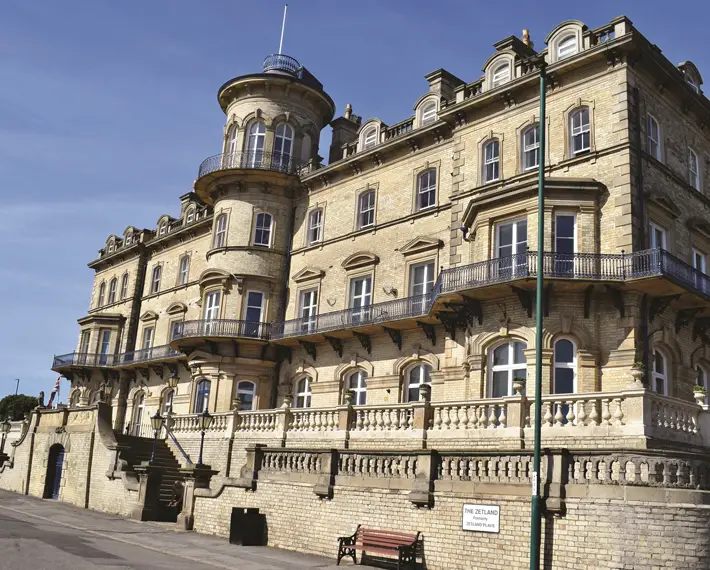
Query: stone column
[(422, 493), (196, 477), (147, 507), (326, 479)]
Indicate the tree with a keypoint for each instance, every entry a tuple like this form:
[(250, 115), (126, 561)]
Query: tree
[(15, 406)]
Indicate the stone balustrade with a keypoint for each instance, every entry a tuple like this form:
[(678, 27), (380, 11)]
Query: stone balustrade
[(604, 418)]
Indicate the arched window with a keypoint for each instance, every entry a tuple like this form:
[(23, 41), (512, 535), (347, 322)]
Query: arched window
[(654, 138), (163, 228), (124, 286), (426, 189), (414, 378), (128, 240), (220, 231), (184, 273), (506, 361), (567, 46), (138, 414), (190, 216), (564, 378), (303, 393), (428, 114), (246, 391), (283, 145), (366, 209), (315, 226), (155, 278), (579, 131), (102, 294), (262, 230), (74, 400), (255, 144), (202, 396), (531, 148), (230, 146), (167, 407), (702, 379), (693, 169), (112, 289), (501, 75), (491, 161), (659, 375), (357, 383), (369, 138)]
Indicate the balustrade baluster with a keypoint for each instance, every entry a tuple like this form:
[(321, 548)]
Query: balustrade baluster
[(594, 414), (570, 413), (606, 414), (474, 419), (456, 421), (447, 417), (558, 413), (438, 421), (581, 413), (483, 420), (618, 412), (547, 415), (503, 418)]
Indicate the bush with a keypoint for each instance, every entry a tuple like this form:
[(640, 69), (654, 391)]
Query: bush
[(15, 406)]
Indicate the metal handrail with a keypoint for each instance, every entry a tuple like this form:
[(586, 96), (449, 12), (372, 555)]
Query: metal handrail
[(146, 355), (251, 159), (281, 62), (404, 308), (83, 359), (171, 435), (224, 328)]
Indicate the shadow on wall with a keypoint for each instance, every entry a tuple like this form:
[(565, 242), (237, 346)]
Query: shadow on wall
[(548, 546)]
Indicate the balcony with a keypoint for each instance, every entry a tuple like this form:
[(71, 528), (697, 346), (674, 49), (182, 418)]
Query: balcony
[(223, 328), (248, 160), (653, 271), (362, 320), (280, 63), (82, 360), (164, 352)]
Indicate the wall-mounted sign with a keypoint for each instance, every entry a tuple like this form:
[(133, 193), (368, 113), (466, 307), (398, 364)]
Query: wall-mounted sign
[(481, 518)]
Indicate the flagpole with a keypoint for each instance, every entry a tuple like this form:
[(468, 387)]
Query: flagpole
[(283, 26)]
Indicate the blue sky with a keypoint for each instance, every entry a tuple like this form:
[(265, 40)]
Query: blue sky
[(107, 109)]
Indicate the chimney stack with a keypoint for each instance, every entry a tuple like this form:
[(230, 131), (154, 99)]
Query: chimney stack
[(526, 39)]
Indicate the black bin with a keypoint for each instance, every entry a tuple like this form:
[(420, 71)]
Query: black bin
[(247, 528)]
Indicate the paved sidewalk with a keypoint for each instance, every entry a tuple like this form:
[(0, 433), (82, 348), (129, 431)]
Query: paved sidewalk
[(41, 534)]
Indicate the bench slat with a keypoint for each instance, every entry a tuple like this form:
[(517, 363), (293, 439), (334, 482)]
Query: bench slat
[(379, 550)]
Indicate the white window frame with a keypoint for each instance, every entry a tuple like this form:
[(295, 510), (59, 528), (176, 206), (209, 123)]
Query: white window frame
[(167, 404), (163, 228), (690, 81), (283, 144), (656, 376), (213, 301), (303, 395), (532, 149), (425, 370), (510, 368), (261, 306), (664, 236), (315, 226), (369, 138), (566, 365), (654, 144), (693, 169), (242, 389), (137, 414), (262, 230), (515, 241), (427, 191), (699, 260), (202, 397), (429, 277), (255, 144), (366, 209), (702, 379), (124, 286), (155, 277), (84, 342), (308, 309), (365, 297), (148, 338), (498, 77), (190, 216), (220, 232), (567, 46), (184, 270), (230, 147), (577, 132), (493, 161), (102, 294), (359, 390), (428, 115), (112, 290)]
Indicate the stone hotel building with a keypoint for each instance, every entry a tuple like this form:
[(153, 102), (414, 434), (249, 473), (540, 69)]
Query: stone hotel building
[(360, 330)]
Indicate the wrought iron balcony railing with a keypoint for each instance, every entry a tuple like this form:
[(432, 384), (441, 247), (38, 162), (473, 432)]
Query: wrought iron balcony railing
[(404, 308), (83, 359), (224, 328), (260, 160), (146, 355), (282, 63)]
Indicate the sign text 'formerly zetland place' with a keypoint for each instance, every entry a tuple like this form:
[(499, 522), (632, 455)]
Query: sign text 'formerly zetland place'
[(481, 518)]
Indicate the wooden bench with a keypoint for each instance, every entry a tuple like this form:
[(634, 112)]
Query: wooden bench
[(402, 544)]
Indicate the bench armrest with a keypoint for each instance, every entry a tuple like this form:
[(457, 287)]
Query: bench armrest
[(349, 540)]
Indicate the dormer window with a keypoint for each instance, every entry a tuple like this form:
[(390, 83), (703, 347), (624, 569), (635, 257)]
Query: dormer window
[(163, 228), (428, 113), (567, 46), (127, 242), (369, 139), (501, 75), (190, 216)]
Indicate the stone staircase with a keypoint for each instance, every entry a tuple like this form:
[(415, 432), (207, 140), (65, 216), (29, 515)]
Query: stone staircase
[(139, 449)]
